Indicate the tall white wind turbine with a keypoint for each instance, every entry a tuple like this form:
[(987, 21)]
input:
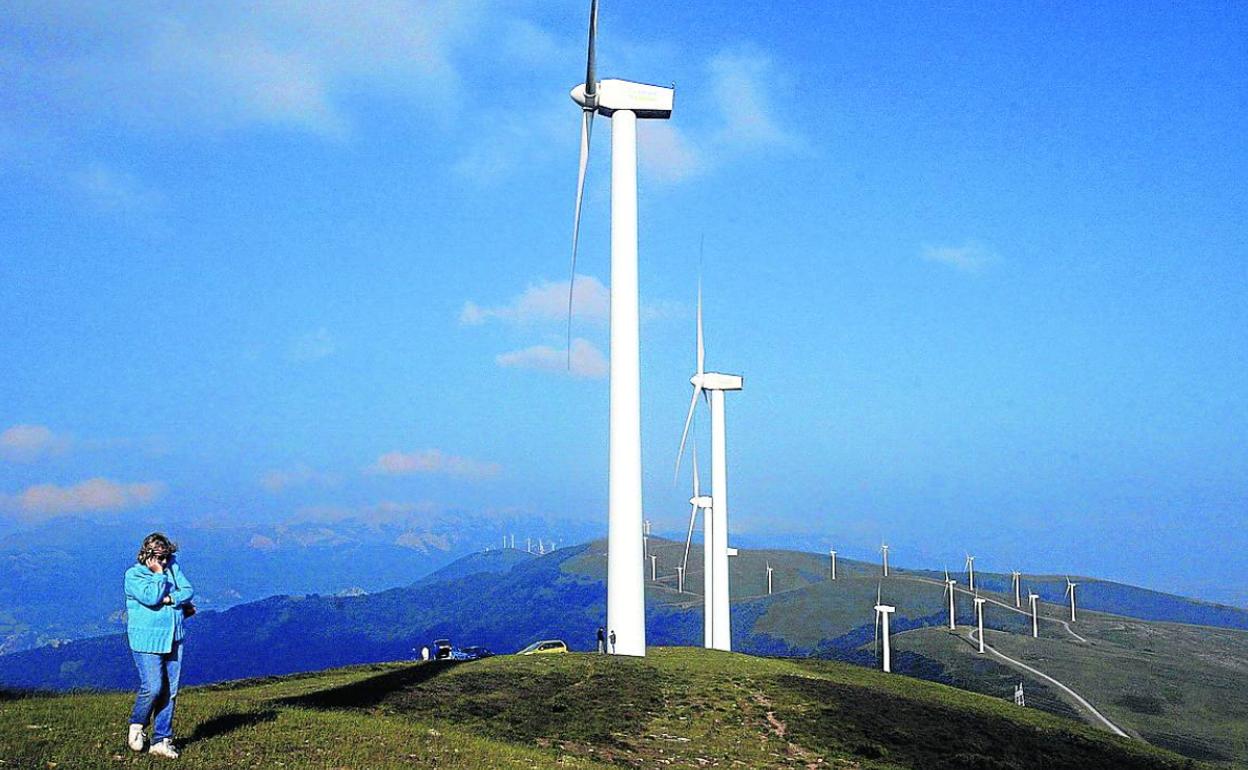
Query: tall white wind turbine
[(700, 503), (769, 571), (970, 571), (979, 621), (1035, 619), (882, 612), (1070, 591), (832, 556), (715, 525), (949, 591), (1016, 578), (884, 551), (625, 102)]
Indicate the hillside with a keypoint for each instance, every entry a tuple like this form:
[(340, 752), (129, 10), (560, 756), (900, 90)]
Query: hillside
[(679, 708), (1169, 684)]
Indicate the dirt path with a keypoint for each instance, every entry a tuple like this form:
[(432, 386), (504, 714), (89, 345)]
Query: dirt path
[(1097, 717)]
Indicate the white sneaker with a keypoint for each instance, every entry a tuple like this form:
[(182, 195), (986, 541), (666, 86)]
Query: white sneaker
[(164, 749), (136, 738)]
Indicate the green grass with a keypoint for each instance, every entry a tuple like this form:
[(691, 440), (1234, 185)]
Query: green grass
[(677, 707)]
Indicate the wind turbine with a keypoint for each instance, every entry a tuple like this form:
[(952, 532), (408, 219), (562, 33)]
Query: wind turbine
[(979, 620), (654, 567), (704, 503), (884, 550), (1035, 621), (970, 571), (769, 571), (881, 619), (1016, 578), (715, 525), (680, 579), (1070, 591), (949, 591), (832, 555), (625, 102), (528, 545)]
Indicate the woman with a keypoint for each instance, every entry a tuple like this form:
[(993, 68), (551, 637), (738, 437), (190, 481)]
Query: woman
[(158, 597)]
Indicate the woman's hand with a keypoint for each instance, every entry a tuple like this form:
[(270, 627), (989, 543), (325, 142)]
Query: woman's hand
[(167, 600), (155, 565)]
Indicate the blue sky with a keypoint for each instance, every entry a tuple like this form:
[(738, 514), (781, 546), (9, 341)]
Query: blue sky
[(983, 269)]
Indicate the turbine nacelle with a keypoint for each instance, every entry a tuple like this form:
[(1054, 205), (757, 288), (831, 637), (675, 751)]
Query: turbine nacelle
[(885, 608), (717, 381), (701, 501), (643, 99)]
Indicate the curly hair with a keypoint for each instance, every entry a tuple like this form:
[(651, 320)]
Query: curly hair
[(156, 543)]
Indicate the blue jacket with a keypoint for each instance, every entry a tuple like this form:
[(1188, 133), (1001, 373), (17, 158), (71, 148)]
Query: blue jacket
[(152, 625)]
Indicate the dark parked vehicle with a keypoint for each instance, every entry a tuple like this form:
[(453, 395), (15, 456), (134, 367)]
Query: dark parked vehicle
[(475, 653), (441, 649)]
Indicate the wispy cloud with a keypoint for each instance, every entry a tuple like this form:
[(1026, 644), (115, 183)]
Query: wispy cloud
[(587, 361), (313, 346), (546, 301), (280, 479), (969, 257), (113, 191), (93, 495), (433, 461), (27, 443)]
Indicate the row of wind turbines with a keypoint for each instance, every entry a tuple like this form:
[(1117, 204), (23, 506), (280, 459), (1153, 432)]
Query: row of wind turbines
[(625, 102)]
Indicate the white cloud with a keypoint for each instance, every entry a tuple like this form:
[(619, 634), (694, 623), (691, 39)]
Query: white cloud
[(27, 443), (742, 82), (221, 65), (544, 302), (433, 461), (281, 479), (587, 361), (969, 257), (313, 346), (113, 191), (99, 494)]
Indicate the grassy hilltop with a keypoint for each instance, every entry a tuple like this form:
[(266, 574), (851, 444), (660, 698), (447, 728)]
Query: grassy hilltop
[(676, 708)]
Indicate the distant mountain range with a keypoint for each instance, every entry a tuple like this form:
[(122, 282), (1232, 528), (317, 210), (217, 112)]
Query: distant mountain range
[(62, 580)]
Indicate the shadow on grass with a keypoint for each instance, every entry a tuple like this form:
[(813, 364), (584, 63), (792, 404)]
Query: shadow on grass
[(228, 723), (371, 691)]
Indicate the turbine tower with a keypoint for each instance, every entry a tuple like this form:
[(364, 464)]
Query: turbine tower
[(654, 567), (949, 584), (1070, 591), (704, 503), (882, 612), (884, 551), (769, 571), (680, 579), (1016, 578), (625, 103), (832, 555), (715, 525), (1035, 621), (970, 571), (979, 620)]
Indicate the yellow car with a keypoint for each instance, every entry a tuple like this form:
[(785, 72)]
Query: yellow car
[(546, 647)]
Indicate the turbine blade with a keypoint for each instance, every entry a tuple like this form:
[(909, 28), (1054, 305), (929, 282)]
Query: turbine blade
[(591, 80), (701, 347), (693, 403), (587, 126)]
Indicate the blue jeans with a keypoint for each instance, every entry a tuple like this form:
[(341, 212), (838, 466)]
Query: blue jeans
[(158, 689)]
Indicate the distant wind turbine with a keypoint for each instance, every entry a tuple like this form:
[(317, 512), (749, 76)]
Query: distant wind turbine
[(1035, 620), (949, 591), (701, 503), (884, 551), (1070, 591), (979, 620), (715, 524), (970, 571), (1017, 578), (769, 571), (625, 103), (832, 556), (882, 612), (680, 579), (654, 567)]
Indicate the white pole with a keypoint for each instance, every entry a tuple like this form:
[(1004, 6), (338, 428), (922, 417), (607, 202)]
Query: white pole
[(654, 567), (769, 580), (708, 578), (952, 625), (979, 618), (833, 555), (1072, 604), (1018, 584), (528, 545), (888, 665), (721, 633), (626, 596), (885, 562), (1035, 622), (680, 580)]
